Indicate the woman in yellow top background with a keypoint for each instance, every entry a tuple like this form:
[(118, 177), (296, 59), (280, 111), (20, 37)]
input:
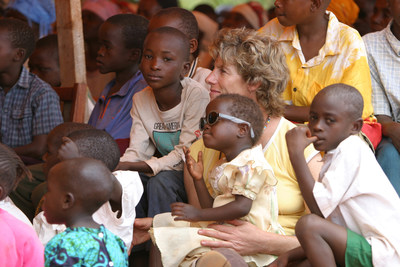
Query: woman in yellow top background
[(254, 66)]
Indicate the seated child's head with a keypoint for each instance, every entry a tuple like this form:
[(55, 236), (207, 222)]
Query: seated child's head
[(54, 141), (231, 118), (75, 188), (394, 7), (335, 114), (165, 58), (44, 61), (121, 42), (12, 170), (181, 19), (18, 42), (147, 8), (291, 13), (87, 142), (94, 13), (381, 15), (249, 15)]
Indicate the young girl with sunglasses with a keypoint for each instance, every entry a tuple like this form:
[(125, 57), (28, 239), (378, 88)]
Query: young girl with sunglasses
[(243, 184)]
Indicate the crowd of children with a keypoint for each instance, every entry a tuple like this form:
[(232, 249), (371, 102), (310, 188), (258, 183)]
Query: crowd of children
[(86, 183)]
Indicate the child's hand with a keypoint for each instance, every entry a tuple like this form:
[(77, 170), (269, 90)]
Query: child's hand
[(185, 212), (68, 149), (195, 168), (298, 138)]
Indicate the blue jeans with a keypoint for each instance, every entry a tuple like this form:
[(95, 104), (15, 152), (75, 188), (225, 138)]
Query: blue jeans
[(160, 192), (389, 159)]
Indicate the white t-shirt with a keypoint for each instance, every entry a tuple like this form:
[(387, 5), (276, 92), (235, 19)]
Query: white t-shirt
[(167, 131), (354, 192), (132, 190)]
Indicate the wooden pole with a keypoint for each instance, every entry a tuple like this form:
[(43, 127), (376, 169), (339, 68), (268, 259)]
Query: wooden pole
[(70, 42)]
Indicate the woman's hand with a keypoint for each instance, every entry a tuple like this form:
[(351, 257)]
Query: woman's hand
[(241, 236), (68, 150), (184, 212), (195, 168)]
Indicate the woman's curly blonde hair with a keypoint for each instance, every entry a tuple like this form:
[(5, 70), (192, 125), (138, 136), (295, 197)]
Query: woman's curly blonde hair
[(259, 60)]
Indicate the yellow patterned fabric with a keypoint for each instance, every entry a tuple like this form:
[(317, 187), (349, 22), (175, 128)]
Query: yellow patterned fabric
[(342, 59)]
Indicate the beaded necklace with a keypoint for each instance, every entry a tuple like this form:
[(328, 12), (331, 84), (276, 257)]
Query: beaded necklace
[(267, 121)]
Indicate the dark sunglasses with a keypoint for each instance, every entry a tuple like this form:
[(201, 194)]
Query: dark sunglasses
[(213, 117)]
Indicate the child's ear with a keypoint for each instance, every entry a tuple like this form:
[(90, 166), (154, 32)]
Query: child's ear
[(135, 55), (243, 131), (185, 69), (357, 125), (20, 54), (315, 5), (68, 201), (194, 44)]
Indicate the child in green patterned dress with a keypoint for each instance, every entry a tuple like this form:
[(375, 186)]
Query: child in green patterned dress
[(76, 188)]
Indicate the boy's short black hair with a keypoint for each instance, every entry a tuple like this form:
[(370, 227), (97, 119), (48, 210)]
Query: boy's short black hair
[(97, 144), (246, 109), (49, 42), (20, 34), (134, 29), (350, 96), (188, 23), (176, 34), (12, 170), (65, 129)]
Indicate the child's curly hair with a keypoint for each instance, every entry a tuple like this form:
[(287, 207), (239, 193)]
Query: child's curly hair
[(259, 60), (246, 109), (12, 170)]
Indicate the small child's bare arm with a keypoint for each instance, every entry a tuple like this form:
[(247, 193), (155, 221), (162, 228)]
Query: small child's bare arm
[(297, 140), (233, 210), (196, 171)]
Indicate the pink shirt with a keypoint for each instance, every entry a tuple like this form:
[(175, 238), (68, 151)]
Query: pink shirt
[(19, 244)]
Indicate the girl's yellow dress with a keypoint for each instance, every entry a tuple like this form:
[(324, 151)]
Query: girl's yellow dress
[(249, 175)]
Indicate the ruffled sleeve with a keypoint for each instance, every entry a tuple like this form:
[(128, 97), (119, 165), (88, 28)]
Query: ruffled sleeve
[(249, 173)]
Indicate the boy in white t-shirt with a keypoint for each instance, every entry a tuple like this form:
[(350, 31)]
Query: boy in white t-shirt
[(356, 211), (118, 214), (166, 117)]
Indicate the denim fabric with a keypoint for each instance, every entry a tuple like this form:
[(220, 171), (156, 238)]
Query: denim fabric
[(160, 192), (389, 159)]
